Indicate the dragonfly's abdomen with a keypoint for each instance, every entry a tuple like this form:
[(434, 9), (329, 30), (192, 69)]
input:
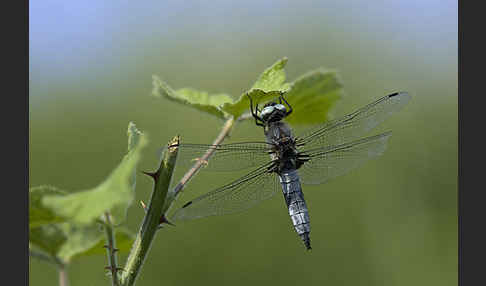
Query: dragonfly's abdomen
[(294, 197)]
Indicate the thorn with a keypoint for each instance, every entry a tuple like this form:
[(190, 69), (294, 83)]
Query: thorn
[(143, 206), (110, 268), (203, 162), (152, 175), (163, 219), (111, 248)]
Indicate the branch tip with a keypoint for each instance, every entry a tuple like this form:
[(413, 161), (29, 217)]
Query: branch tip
[(174, 143)]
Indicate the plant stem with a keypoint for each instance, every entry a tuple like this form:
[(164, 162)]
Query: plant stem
[(111, 249), (227, 127), (151, 221), (63, 277)]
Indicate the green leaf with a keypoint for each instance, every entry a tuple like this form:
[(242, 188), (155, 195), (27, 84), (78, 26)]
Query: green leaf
[(243, 104), (38, 213), (268, 87), (270, 81), (41, 255), (134, 136), (63, 242), (312, 96), (199, 100), (114, 195), (273, 78), (79, 240), (89, 240), (124, 240), (48, 238)]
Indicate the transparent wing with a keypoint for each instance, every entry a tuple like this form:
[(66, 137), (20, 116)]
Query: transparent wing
[(237, 196), (332, 161), (225, 157), (354, 125)]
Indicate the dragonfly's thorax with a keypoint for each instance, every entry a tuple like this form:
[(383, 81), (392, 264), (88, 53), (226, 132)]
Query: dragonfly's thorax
[(280, 136), (276, 131)]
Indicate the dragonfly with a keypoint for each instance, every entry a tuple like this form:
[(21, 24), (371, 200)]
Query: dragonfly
[(284, 162)]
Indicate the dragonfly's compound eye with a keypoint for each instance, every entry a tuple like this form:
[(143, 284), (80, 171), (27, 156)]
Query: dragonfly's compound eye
[(267, 111), (280, 107)]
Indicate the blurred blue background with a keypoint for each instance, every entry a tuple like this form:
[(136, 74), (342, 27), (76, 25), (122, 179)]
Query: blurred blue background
[(392, 222)]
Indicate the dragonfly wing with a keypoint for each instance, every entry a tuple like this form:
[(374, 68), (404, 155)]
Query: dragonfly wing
[(237, 196), (225, 157), (354, 125), (332, 161)]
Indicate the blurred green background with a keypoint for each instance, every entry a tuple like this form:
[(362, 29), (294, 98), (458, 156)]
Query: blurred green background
[(391, 222)]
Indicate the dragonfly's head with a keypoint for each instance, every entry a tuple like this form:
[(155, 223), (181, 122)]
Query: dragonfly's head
[(273, 112)]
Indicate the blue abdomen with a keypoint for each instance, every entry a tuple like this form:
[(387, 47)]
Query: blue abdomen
[(294, 198)]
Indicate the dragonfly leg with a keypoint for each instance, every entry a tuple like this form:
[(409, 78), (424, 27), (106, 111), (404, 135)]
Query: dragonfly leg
[(258, 120), (281, 97), (301, 159)]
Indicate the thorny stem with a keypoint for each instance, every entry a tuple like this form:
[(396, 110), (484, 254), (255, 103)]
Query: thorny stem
[(110, 250), (154, 211)]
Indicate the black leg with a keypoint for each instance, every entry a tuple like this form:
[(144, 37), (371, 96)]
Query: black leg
[(290, 107), (251, 105), (257, 118)]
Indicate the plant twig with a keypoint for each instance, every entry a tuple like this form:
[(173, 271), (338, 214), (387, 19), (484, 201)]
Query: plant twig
[(244, 116), (228, 125), (111, 250), (61, 266), (225, 131), (154, 211), (63, 277)]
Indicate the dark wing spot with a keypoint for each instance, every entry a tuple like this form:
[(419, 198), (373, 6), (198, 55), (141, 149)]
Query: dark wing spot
[(394, 94), (187, 204)]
